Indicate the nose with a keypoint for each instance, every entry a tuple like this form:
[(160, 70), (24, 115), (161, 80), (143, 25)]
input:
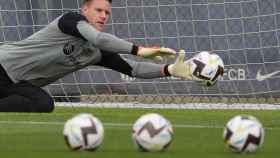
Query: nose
[(103, 15)]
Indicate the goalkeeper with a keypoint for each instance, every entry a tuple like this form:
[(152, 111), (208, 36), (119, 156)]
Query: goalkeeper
[(69, 43)]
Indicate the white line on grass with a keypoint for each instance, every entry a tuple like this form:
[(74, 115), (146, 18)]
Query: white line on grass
[(120, 125), (210, 106)]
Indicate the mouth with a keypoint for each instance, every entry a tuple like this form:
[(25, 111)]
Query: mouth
[(101, 23)]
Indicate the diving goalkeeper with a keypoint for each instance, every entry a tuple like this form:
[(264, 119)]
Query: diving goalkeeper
[(69, 43)]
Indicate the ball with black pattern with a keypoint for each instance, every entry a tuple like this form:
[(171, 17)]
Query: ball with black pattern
[(83, 132), (243, 134)]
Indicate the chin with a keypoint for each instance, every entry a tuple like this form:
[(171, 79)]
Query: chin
[(99, 28)]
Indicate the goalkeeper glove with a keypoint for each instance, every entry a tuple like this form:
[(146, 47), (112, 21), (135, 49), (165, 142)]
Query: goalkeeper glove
[(181, 68), (156, 53)]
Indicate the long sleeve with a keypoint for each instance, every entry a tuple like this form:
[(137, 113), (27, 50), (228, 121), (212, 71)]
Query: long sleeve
[(146, 70), (132, 68), (76, 25)]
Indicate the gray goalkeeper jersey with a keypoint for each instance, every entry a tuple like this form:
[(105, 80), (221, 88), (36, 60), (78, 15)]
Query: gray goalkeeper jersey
[(67, 44)]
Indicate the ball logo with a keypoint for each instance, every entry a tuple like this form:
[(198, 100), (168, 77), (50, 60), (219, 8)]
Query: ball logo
[(151, 129), (88, 130), (198, 70), (68, 49), (251, 139)]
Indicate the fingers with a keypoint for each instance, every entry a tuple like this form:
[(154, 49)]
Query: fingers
[(182, 51), (181, 57), (157, 53), (188, 74), (170, 56), (157, 58), (168, 52)]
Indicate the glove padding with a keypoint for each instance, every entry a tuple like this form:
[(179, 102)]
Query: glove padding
[(181, 68), (156, 53)]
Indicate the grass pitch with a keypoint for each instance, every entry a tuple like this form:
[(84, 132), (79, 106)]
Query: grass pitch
[(197, 134)]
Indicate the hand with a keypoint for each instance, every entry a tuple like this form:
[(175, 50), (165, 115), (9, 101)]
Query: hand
[(156, 53), (181, 68)]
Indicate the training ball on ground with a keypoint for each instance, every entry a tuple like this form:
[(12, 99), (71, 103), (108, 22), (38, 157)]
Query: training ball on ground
[(83, 132), (243, 134), (207, 68), (152, 132)]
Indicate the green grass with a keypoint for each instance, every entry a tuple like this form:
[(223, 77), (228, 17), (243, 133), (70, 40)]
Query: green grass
[(21, 138)]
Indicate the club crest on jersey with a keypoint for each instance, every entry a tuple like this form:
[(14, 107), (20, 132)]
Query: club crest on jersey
[(68, 48)]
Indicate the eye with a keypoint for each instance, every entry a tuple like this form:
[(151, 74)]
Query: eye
[(107, 13), (99, 10)]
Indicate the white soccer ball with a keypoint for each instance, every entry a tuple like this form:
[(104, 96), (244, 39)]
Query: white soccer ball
[(152, 132), (243, 134), (83, 132), (207, 68)]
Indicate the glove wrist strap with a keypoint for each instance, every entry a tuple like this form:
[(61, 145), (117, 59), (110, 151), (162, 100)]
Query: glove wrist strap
[(165, 70), (134, 50)]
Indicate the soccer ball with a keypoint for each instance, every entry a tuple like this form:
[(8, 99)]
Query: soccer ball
[(83, 132), (243, 134), (207, 68), (152, 132)]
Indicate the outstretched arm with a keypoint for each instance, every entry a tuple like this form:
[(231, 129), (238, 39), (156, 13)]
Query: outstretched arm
[(182, 68), (132, 68), (77, 25)]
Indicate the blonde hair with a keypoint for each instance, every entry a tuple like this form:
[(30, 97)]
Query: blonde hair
[(86, 1)]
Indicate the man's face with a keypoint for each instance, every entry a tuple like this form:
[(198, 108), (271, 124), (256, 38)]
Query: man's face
[(97, 13)]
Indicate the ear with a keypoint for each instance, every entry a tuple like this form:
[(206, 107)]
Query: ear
[(84, 8)]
